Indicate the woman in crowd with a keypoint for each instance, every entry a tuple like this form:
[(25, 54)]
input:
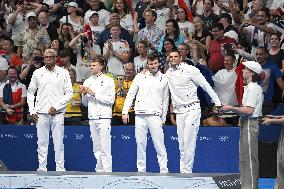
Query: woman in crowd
[(173, 32), (185, 26), (126, 19), (168, 47)]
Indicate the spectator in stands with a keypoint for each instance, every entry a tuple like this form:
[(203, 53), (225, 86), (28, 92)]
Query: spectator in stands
[(201, 35), (3, 70), (184, 51), (126, 19), (122, 85), (198, 7), (95, 27), (163, 13), (141, 60), (74, 105), (64, 56), (182, 80), (75, 20), (98, 6), (116, 52), (13, 97), (224, 86), (272, 120), (208, 16), (258, 31), (229, 30), (99, 95), (197, 54), (106, 35), (32, 37), (276, 55), (185, 26), (51, 84), (35, 62), (249, 113), (272, 77), (150, 112), (86, 52), (172, 31), (51, 27), (17, 20), (168, 47), (220, 42), (65, 36), (139, 21), (10, 55), (151, 33)]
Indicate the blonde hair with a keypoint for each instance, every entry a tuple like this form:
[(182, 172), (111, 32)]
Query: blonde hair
[(52, 51)]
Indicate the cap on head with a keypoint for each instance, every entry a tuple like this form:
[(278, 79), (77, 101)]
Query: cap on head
[(73, 4), (4, 64), (31, 14), (93, 13), (254, 66)]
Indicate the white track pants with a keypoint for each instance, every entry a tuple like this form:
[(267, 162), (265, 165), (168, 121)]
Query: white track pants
[(154, 124), (100, 133), (56, 124), (187, 129)]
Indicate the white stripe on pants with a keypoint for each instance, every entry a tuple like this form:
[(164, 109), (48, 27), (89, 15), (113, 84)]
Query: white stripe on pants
[(187, 129), (44, 125), (154, 123), (100, 133)]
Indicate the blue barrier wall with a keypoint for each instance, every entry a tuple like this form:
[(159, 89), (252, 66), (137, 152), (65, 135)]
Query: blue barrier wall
[(216, 152)]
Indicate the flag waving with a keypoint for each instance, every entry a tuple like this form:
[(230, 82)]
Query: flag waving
[(183, 4)]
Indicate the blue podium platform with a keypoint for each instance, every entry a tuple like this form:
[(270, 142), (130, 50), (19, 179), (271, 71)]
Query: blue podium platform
[(216, 151)]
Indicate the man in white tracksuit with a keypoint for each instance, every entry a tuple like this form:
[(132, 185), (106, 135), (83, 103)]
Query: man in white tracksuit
[(54, 91), (99, 95), (151, 105), (183, 82)]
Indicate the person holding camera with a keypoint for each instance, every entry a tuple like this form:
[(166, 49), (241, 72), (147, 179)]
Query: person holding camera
[(35, 62), (216, 46), (86, 52)]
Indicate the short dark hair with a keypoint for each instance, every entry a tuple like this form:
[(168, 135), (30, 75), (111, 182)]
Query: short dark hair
[(143, 42), (218, 25), (264, 49), (10, 40), (231, 55), (153, 56), (266, 10), (64, 53), (212, 2), (255, 77), (13, 68), (153, 12)]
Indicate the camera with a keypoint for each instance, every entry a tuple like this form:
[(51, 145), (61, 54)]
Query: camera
[(85, 39), (38, 59), (228, 46)]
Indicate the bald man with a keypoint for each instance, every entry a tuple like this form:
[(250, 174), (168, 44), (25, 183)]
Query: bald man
[(122, 85), (43, 19)]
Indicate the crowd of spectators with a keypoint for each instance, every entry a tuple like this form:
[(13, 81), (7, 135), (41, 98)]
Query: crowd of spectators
[(216, 36)]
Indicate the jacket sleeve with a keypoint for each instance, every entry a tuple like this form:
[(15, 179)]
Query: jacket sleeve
[(68, 92), (109, 96), (131, 95), (31, 93)]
